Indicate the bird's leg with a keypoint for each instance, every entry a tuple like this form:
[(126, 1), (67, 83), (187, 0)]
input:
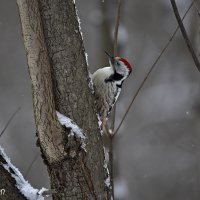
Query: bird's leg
[(105, 127)]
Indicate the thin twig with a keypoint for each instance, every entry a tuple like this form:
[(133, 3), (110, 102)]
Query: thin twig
[(110, 134), (31, 165), (150, 70), (112, 127), (111, 163), (196, 6), (117, 28), (9, 121), (185, 36), (115, 54)]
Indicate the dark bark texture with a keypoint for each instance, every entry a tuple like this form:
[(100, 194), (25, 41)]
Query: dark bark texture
[(82, 173), (49, 131), (51, 30), (8, 183)]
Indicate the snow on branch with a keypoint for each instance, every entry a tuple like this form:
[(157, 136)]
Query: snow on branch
[(78, 19), (24, 187), (68, 123)]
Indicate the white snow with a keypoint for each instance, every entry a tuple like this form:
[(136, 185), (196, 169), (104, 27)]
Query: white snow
[(86, 58), (68, 123), (107, 181), (106, 157), (86, 55), (24, 187), (99, 120), (42, 191), (106, 160), (79, 21), (91, 83), (99, 123)]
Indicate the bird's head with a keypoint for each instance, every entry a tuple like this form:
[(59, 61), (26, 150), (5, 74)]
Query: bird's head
[(120, 65)]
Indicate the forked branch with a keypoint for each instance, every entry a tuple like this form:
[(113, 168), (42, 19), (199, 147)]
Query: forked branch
[(185, 36)]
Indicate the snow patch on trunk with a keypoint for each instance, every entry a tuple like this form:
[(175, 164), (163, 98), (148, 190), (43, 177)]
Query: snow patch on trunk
[(85, 54), (106, 160), (78, 19), (100, 124), (68, 123), (90, 83)]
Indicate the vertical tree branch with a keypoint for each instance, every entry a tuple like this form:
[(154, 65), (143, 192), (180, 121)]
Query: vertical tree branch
[(184, 33), (115, 54), (31, 165), (117, 28), (48, 129), (110, 134)]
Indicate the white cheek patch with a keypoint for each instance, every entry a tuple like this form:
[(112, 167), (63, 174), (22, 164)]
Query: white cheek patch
[(122, 69)]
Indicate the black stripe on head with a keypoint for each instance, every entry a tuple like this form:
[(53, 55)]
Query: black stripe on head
[(114, 77), (117, 77)]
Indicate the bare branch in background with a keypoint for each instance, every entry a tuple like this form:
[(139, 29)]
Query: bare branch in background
[(185, 36), (9, 121), (117, 28), (150, 70), (197, 9), (115, 54), (107, 131), (31, 165)]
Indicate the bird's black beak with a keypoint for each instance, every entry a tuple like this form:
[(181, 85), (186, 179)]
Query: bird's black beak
[(111, 58)]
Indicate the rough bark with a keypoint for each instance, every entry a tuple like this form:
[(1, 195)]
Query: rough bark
[(8, 183), (48, 129), (60, 80)]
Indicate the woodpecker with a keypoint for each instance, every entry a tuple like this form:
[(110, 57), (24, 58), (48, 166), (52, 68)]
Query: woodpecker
[(107, 82)]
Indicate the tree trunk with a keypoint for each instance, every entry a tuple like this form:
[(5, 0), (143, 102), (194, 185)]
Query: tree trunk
[(60, 81)]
